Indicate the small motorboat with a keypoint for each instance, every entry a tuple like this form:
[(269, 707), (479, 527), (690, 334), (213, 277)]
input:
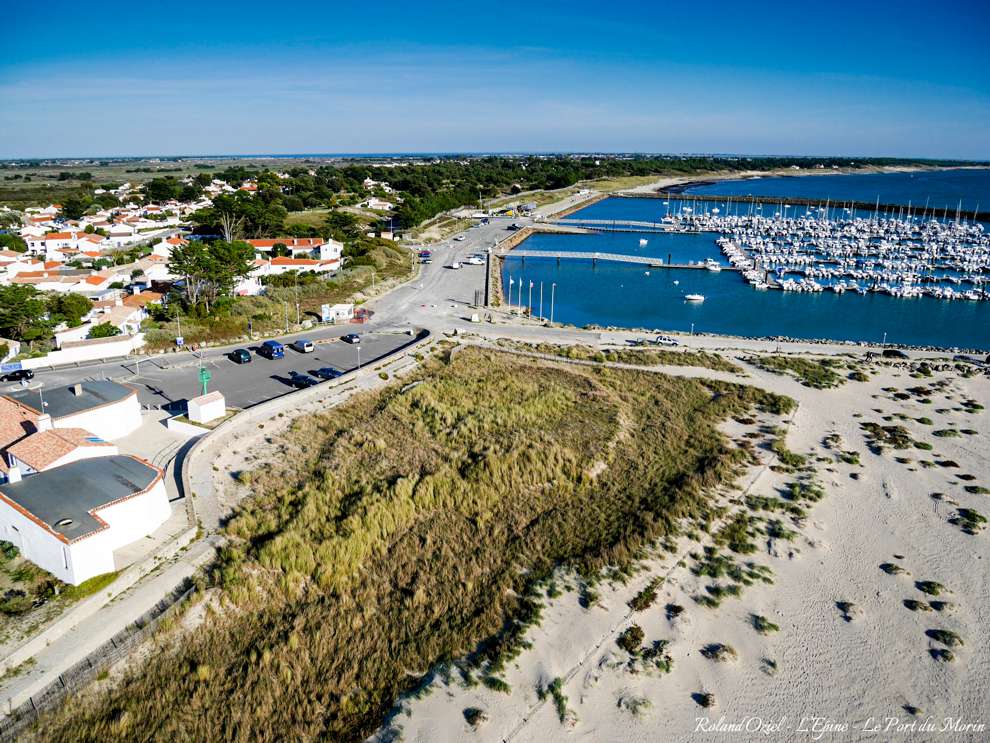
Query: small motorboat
[(643, 242), (694, 297)]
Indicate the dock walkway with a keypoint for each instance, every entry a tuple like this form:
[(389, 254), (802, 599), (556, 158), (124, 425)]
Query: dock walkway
[(612, 257)]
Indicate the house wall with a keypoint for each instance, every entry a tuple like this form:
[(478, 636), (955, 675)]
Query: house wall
[(135, 518), (109, 422), (70, 563)]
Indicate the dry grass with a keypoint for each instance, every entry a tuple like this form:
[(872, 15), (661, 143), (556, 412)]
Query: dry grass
[(635, 356), (408, 529)]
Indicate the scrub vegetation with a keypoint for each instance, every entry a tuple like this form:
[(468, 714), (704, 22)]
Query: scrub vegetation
[(413, 529), (820, 374)]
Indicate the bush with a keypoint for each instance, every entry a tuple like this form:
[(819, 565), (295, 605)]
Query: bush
[(631, 639)]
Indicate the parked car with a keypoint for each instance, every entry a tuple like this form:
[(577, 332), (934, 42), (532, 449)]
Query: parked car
[(893, 353), (424, 254), (327, 372), (18, 375), (475, 260), (303, 346), (455, 265), (665, 340), (461, 238), (272, 350), (352, 338), (240, 356), (301, 381)]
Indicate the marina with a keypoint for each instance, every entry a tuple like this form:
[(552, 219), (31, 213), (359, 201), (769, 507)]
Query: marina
[(907, 275)]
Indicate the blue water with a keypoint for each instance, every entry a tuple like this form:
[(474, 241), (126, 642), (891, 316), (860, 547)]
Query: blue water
[(626, 295), (942, 188)]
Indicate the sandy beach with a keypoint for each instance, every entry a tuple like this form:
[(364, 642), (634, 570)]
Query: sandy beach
[(851, 646)]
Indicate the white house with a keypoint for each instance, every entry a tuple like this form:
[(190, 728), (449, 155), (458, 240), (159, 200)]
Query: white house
[(52, 447), (109, 409), (299, 247), (69, 520)]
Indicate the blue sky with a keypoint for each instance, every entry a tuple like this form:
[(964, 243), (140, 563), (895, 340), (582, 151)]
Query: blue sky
[(114, 78)]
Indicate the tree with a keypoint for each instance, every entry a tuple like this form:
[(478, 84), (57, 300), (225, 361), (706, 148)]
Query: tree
[(13, 242), (69, 308), (23, 313), (75, 205), (211, 270), (162, 189), (104, 330)]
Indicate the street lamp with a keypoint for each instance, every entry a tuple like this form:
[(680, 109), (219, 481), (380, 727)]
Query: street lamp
[(553, 289), (358, 347)]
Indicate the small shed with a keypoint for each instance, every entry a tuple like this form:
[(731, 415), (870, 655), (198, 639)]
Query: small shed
[(206, 408)]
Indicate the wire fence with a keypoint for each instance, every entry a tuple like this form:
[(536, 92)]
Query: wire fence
[(117, 648)]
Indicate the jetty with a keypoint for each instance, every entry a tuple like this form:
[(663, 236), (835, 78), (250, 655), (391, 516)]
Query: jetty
[(611, 257), (617, 225)]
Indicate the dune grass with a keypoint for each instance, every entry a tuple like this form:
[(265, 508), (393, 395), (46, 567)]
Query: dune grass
[(412, 528), (820, 374), (639, 356)]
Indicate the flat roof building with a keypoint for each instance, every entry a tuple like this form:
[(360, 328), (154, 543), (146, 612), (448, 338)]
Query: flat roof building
[(68, 520), (108, 409)]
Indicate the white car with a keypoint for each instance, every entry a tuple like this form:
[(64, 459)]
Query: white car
[(665, 340), (455, 265), (461, 238)]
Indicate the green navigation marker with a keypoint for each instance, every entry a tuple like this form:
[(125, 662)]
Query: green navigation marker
[(204, 377)]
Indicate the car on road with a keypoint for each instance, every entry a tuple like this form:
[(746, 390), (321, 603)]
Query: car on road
[(426, 261), (327, 372), (461, 238), (455, 265), (514, 226), (352, 338), (18, 375), (665, 340), (424, 254), (475, 260), (893, 353), (303, 346), (301, 381), (240, 356), (272, 350)]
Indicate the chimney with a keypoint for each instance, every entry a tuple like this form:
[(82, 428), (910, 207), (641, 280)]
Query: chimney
[(44, 423), (13, 475), (76, 389)]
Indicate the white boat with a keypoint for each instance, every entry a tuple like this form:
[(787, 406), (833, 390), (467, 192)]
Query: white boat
[(712, 265), (694, 297), (643, 242)]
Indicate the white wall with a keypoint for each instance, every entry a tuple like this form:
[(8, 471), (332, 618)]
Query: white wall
[(35, 543), (122, 346), (137, 517), (109, 422)]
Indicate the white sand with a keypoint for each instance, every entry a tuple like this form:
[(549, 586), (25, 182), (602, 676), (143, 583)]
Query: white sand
[(845, 672)]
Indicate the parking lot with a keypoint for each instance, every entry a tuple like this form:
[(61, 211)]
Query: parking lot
[(164, 381)]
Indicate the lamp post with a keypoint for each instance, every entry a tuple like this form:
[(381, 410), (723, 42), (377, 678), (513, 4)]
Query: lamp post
[(529, 306), (541, 300), (358, 347), (553, 288), (883, 344)]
